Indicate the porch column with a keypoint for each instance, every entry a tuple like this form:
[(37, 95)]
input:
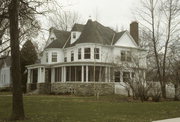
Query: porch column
[(39, 75), (28, 77), (100, 74), (109, 74), (82, 74), (64, 74), (75, 73), (52, 75), (121, 76), (106, 74), (87, 74)]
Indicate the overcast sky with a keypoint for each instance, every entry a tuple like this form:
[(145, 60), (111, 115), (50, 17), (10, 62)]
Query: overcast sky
[(108, 12), (111, 13)]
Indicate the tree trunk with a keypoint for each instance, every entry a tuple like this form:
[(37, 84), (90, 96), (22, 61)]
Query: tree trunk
[(17, 107), (163, 90)]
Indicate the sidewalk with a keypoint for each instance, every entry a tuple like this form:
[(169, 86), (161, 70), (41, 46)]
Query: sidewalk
[(169, 120)]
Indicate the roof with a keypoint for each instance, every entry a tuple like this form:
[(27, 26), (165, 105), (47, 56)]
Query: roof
[(94, 32), (61, 36), (78, 27), (6, 60), (91, 32), (118, 36)]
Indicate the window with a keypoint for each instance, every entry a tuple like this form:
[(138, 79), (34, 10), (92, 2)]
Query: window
[(123, 56), (79, 53), (52, 38), (126, 76), (74, 35), (87, 53), (96, 53), (65, 59), (117, 76), (72, 56), (126, 56), (46, 57), (54, 56)]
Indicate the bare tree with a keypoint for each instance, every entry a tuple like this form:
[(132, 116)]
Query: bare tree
[(160, 18), (61, 19)]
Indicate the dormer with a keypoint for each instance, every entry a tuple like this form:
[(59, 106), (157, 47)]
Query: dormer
[(52, 36), (76, 32), (75, 36)]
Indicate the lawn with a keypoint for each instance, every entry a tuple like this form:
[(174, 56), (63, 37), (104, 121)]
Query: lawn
[(88, 109)]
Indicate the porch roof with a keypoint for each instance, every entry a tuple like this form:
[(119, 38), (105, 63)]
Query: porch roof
[(69, 64), (81, 64)]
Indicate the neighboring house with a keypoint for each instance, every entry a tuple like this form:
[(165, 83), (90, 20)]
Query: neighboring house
[(5, 72), (85, 60)]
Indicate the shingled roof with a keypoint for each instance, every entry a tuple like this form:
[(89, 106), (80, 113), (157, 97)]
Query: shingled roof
[(94, 32), (91, 32), (61, 36), (78, 27)]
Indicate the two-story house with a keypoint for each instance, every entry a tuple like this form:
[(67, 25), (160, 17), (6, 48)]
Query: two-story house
[(86, 59)]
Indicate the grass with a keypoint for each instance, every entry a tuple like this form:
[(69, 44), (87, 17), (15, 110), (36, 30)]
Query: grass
[(88, 109)]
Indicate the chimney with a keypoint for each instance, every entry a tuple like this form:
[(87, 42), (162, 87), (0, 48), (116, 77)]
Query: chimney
[(134, 31)]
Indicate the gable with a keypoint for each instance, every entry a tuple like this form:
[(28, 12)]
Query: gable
[(126, 41)]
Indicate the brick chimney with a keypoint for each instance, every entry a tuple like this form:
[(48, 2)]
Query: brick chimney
[(134, 31)]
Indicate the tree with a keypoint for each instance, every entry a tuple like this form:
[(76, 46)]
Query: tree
[(17, 109), (28, 57), (161, 19), (13, 13), (62, 20), (27, 20)]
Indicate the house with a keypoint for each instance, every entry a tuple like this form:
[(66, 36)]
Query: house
[(5, 72), (85, 60)]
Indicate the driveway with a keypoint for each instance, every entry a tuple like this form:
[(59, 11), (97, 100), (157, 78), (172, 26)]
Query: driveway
[(169, 120)]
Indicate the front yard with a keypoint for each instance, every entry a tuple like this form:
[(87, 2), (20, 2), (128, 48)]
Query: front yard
[(88, 109)]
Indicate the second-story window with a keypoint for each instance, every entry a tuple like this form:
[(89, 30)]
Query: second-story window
[(79, 53), (54, 56), (123, 56), (96, 53), (72, 56), (87, 53), (47, 57), (126, 56), (65, 59)]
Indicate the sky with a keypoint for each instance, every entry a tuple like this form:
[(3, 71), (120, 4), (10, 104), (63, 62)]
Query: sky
[(110, 13), (116, 14)]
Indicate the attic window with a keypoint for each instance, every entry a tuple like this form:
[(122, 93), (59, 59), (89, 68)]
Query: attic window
[(52, 39), (74, 35)]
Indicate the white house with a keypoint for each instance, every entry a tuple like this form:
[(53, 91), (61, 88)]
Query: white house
[(85, 59), (5, 72)]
